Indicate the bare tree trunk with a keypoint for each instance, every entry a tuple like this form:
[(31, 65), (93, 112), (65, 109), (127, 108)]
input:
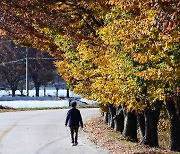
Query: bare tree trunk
[(13, 88), (57, 92), (13, 92), (67, 93), (112, 112), (105, 117), (141, 122), (150, 137), (130, 125), (21, 92), (174, 116), (148, 125), (119, 120), (37, 90), (44, 91)]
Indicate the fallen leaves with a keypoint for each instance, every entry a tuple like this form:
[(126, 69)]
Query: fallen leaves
[(113, 141)]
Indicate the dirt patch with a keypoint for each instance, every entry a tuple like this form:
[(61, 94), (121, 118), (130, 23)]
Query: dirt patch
[(6, 109), (114, 142)]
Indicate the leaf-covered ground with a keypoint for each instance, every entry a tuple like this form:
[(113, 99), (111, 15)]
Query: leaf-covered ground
[(5, 109), (114, 142)]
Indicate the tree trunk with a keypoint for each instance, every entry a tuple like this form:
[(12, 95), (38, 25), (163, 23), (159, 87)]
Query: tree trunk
[(57, 92), (141, 122), (21, 92), (37, 91), (44, 91), (151, 137), (37, 84), (119, 120), (130, 125), (174, 115), (112, 112), (13, 88), (67, 93), (13, 92), (105, 117), (148, 125)]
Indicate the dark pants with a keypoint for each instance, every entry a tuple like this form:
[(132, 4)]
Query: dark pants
[(74, 133)]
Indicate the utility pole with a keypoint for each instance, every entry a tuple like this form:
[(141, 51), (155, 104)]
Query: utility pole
[(27, 79)]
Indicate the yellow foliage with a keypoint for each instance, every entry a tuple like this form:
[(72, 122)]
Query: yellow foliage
[(114, 61)]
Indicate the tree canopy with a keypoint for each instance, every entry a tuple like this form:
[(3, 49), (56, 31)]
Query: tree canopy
[(119, 52), (111, 50)]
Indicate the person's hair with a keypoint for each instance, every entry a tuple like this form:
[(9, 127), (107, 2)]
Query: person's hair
[(73, 104)]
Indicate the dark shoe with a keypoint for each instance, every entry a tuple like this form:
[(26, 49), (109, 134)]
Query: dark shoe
[(72, 143), (76, 143)]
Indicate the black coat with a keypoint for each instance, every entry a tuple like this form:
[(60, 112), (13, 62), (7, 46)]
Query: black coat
[(74, 118)]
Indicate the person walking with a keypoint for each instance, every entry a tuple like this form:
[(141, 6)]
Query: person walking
[(74, 120)]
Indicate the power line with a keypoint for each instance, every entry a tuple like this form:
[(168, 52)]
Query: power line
[(45, 58), (10, 62)]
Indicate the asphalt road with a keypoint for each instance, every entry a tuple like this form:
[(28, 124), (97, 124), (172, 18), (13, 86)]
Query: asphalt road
[(43, 132)]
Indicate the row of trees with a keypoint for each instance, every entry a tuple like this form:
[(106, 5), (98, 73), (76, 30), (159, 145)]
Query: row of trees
[(13, 69), (123, 53)]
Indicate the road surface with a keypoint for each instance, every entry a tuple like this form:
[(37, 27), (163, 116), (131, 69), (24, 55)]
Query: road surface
[(43, 132)]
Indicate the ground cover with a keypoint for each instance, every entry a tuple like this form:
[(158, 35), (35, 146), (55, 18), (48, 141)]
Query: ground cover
[(113, 141)]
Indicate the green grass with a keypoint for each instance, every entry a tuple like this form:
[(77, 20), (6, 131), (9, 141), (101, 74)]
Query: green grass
[(119, 136), (114, 135)]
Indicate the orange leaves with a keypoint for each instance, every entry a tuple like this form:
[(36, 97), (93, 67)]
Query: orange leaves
[(147, 56), (129, 51), (169, 25), (162, 74), (141, 57), (150, 74), (2, 32), (109, 51), (129, 5)]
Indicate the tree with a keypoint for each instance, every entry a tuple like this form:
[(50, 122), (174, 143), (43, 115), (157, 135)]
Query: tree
[(12, 69), (41, 68), (116, 52), (59, 83), (173, 109)]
